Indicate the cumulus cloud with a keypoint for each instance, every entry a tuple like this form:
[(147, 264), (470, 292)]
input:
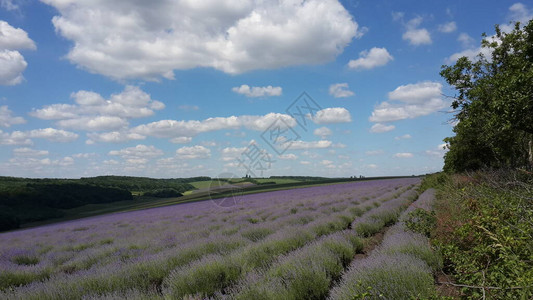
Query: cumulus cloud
[(124, 39), (288, 156), (231, 153), (52, 134), (340, 90), (138, 155), (92, 112), (38, 165), (28, 152), (193, 152), (303, 145), (24, 137), (448, 27), (12, 63), (376, 57), (7, 119), (322, 132), (403, 155), (332, 115), (14, 38), (14, 138), (410, 101), (379, 128), (191, 128), (416, 36), (114, 137), (258, 91)]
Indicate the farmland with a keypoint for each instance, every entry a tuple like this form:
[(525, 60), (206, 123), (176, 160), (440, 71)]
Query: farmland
[(289, 244)]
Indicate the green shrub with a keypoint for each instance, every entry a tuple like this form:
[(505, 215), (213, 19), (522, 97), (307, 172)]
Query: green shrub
[(421, 221)]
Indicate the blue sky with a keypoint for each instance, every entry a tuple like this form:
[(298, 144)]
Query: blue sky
[(188, 88)]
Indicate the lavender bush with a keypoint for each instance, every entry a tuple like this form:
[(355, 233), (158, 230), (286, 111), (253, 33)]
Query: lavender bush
[(146, 254)]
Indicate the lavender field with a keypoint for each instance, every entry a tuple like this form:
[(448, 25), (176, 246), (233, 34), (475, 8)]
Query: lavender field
[(291, 244)]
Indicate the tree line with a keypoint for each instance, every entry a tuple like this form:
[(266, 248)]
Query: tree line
[(494, 104)]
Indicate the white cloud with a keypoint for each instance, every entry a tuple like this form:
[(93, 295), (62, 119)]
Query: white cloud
[(374, 152), (416, 36), (29, 152), (38, 165), (6, 118), (466, 40), (114, 137), (376, 57), (322, 132), (403, 137), (84, 155), (305, 162), (340, 90), (14, 38), (410, 101), (448, 27), (288, 156), (372, 166), (52, 134), (397, 15), (518, 12), (332, 115), (193, 152), (326, 162), (471, 54), (149, 40), (14, 138), (231, 153), (191, 128), (138, 155), (258, 91), (302, 145), (94, 113), (12, 63), (403, 155), (181, 140), (438, 152), (94, 123), (379, 128)]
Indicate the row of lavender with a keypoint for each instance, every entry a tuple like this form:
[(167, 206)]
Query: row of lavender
[(400, 268), (140, 249)]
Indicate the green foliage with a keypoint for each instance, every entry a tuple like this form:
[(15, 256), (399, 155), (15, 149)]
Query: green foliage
[(257, 234), (163, 193), (421, 221), (494, 105), (490, 242), (367, 229)]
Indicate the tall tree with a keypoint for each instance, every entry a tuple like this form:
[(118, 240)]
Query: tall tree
[(494, 105)]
